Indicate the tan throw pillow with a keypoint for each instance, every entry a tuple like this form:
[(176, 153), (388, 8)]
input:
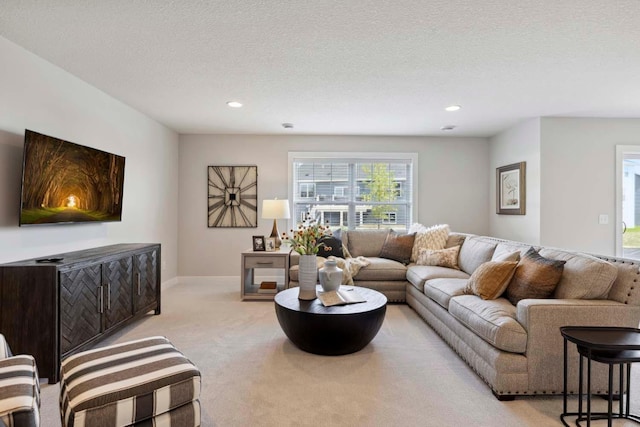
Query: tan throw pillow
[(491, 279), (398, 247), (443, 257), (434, 238), (535, 277)]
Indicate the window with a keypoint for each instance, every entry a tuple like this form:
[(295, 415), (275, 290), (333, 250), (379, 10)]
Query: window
[(307, 190), (354, 190)]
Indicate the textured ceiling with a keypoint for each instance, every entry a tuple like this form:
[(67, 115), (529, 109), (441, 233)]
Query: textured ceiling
[(368, 67)]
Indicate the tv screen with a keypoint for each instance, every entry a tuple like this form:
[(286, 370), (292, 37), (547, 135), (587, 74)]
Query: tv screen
[(63, 182)]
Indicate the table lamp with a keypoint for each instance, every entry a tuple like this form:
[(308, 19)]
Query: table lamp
[(275, 209)]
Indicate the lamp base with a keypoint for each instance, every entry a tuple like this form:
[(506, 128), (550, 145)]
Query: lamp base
[(275, 234)]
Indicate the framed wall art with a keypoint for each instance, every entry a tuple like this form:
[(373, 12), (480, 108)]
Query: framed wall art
[(233, 196), (510, 189)]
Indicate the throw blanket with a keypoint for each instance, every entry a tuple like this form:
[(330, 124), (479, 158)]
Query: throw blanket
[(350, 267)]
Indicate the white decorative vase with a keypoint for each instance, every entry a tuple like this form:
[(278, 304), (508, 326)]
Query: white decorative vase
[(330, 276), (307, 277)]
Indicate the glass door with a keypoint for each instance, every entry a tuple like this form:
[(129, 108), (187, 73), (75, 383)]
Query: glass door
[(628, 188)]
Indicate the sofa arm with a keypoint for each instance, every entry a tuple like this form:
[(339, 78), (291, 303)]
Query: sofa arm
[(294, 258), (542, 319)]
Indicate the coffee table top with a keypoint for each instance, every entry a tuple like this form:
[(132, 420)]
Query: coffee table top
[(289, 299), (603, 337)]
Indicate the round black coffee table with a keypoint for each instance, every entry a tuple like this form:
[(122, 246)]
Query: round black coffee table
[(331, 331)]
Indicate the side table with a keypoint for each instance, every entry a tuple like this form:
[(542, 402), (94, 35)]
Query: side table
[(604, 344), (252, 260)]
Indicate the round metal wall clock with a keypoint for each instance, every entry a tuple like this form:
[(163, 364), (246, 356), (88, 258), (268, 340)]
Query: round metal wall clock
[(233, 196)]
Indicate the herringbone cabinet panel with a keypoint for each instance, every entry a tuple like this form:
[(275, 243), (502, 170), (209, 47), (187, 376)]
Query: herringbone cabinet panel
[(146, 266), (118, 291), (79, 306)]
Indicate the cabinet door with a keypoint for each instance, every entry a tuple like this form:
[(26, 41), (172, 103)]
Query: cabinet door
[(80, 306), (145, 280), (118, 291)]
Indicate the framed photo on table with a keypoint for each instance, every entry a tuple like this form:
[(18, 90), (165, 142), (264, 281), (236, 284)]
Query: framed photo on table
[(270, 244), (510, 189), (258, 243)]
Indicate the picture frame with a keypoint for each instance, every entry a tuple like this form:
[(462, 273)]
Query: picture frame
[(258, 243), (232, 196), (511, 189), (270, 244)]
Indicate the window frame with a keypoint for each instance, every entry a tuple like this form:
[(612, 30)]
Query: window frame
[(355, 157)]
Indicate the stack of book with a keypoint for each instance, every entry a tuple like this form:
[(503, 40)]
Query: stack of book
[(268, 288)]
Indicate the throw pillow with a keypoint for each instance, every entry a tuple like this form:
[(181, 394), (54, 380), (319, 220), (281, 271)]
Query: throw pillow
[(535, 277), (442, 257), (491, 279), (398, 247), (434, 238), (507, 256), (331, 246), (416, 227)]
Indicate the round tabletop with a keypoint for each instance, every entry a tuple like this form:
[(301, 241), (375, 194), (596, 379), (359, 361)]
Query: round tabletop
[(334, 330)]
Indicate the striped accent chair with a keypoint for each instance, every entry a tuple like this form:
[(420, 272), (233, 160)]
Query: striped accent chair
[(19, 389), (142, 382)]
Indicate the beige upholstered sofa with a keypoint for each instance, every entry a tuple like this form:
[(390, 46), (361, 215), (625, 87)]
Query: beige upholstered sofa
[(516, 350)]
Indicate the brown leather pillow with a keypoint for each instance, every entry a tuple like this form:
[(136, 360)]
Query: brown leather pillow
[(535, 277), (397, 247), (491, 279)]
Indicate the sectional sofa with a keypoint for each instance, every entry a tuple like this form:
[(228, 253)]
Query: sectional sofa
[(515, 349)]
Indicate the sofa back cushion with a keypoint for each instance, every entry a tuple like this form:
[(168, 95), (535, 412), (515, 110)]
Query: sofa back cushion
[(505, 250), (366, 243), (474, 251), (584, 276)]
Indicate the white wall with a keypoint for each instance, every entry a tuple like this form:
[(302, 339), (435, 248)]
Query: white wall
[(520, 143), (36, 95), (453, 186), (578, 180)]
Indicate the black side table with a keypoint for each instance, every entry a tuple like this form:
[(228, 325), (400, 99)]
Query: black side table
[(604, 344)]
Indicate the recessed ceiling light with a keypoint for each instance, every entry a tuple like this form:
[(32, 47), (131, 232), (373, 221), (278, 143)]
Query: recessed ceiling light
[(448, 127), (287, 125), (453, 108), (234, 104)]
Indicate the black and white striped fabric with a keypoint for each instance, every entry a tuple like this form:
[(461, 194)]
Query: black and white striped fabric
[(19, 392), (125, 384)]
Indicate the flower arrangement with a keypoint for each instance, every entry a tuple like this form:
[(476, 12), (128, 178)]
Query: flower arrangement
[(306, 239)]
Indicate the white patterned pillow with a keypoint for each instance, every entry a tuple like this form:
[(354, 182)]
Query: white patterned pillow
[(441, 257), (434, 238), (416, 227)]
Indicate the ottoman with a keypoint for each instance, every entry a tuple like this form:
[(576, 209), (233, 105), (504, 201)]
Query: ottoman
[(19, 392), (146, 382)]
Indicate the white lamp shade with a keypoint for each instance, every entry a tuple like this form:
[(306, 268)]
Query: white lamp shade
[(275, 209)]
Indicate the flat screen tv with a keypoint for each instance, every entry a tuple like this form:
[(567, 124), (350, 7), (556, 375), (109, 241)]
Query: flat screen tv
[(63, 182)]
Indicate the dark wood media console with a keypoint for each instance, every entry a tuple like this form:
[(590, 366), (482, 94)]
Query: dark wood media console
[(52, 308)]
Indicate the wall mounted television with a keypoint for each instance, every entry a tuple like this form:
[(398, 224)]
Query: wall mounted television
[(64, 182)]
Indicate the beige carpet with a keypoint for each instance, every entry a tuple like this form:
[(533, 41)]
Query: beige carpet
[(253, 376)]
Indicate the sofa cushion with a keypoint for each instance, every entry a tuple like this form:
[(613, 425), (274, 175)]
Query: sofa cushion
[(417, 275), (442, 290), (434, 237), (443, 257), (382, 269), (366, 243), (492, 320), (455, 239), (398, 247), (491, 279), (505, 250), (584, 276), (535, 277), (474, 251)]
